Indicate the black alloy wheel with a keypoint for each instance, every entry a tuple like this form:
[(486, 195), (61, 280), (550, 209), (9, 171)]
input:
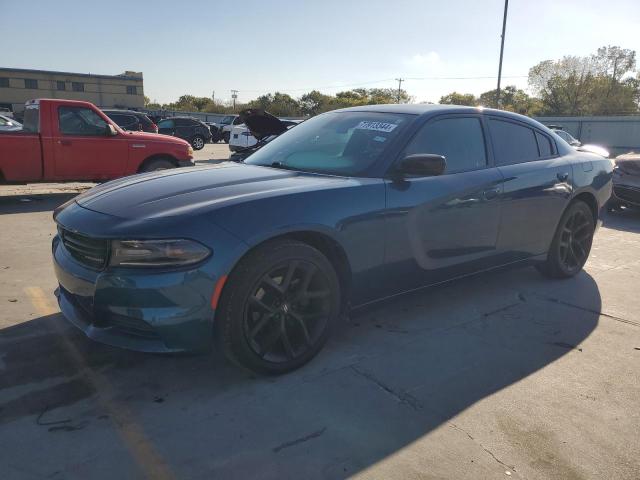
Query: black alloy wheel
[(287, 311), (572, 242), (277, 307)]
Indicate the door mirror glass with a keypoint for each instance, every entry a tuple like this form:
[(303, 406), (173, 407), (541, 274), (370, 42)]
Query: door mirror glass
[(423, 165)]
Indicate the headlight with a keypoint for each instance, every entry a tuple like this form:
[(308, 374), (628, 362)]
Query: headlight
[(156, 253)]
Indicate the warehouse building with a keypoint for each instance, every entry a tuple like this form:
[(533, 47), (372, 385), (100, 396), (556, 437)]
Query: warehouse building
[(19, 85)]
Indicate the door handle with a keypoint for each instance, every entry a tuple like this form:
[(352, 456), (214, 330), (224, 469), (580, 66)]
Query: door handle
[(563, 177), (491, 194), (66, 143)]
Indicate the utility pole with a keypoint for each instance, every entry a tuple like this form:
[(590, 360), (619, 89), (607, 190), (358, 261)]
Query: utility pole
[(400, 80), (213, 96), (504, 27), (234, 96)]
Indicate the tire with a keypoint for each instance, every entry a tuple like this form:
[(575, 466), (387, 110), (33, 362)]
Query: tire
[(158, 164), (226, 136), (197, 142), (267, 320), (571, 243)]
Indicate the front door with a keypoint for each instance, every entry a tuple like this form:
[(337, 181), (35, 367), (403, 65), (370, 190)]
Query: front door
[(444, 226), (84, 149), (167, 126)]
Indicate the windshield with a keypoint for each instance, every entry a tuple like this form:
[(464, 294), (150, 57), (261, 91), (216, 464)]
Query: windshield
[(338, 143)]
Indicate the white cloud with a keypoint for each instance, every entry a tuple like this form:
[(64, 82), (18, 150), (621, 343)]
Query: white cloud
[(423, 60)]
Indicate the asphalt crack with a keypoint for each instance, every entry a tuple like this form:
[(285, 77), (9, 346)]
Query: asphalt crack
[(510, 467), (402, 397), (300, 440), (589, 310)]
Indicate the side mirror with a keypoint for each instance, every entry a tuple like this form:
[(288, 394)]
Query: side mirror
[(111, 131), (423, 165)]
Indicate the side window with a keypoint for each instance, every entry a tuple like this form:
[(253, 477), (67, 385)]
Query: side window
[(544, 145), (459, 140), (166, 124), (237, 121), (77, 86), (182, 122), (80, 121), (513, 143)]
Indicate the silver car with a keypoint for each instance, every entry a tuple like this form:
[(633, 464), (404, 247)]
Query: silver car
[(8, 124)]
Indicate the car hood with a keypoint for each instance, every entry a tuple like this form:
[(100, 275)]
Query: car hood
[(190, 191), (262, 124), (155, 137)]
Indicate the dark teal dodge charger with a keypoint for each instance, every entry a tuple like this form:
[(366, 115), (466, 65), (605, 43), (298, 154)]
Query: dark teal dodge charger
[(347, 208)]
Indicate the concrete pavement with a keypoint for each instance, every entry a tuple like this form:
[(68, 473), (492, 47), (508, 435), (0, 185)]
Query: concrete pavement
[(504, 375)]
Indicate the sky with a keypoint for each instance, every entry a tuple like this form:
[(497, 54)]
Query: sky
[(200, 47)]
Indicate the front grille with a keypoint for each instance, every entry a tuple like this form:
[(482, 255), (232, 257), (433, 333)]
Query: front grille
[(628, 194), (92, 252)]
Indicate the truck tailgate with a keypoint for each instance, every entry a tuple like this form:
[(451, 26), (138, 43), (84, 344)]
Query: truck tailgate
[(20, 156)]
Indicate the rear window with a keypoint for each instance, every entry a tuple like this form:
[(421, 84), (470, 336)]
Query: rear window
[(544, 145), (31, 119), (513, 143)]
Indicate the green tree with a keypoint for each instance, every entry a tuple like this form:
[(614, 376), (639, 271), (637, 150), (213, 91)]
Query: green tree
[(279, 104), (512, 99), (455, 98), (599, 84)]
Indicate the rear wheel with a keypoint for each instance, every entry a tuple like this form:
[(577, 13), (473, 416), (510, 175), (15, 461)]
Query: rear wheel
[(158, 164), (197, 142), (277, 307), (572, 242)]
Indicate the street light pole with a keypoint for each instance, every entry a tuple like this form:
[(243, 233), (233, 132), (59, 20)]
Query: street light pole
[(504, 27), (234, 95)]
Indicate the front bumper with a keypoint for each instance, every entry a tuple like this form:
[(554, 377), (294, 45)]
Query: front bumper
[(150, 312)]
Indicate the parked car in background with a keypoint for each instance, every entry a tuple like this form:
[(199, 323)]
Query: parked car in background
[(9, 124), (257, 128), (188, 128), (132, 120), (347, 208), (226, 124), (588, 147), (626, 182), (65, 140)]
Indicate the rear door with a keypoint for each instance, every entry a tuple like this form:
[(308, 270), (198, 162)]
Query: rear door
[(444, 226), (82, 148), (185, 128), (536, 189)]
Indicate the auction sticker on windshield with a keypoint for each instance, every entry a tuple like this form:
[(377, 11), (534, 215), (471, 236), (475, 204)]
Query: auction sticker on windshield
[(376, 126)]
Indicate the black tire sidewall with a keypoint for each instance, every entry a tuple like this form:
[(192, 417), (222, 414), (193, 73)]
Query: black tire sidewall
[(230, 314)]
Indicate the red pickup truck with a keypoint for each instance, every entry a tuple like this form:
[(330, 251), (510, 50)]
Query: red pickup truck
[(66, 140)]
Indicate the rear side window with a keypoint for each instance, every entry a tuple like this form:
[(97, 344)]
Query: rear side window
[(128, 122), (166, 124), (459, 140), (184, 122), (544, 145), (80, 121), (513, 143)]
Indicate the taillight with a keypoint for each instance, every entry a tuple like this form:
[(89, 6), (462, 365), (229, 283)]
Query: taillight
[(154, 127)]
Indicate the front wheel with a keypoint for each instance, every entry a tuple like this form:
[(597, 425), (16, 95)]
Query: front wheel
[(277, 307), (197, 142), (571, 243), (226, 136), (158, 164)]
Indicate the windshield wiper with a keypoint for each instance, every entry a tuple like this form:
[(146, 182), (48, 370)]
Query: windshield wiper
[(282, 166)]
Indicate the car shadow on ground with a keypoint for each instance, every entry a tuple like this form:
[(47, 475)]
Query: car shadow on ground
[(33, 203), (627, 220), (388, 377)]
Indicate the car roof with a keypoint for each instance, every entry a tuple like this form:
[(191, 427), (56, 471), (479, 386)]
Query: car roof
[(435, 109), (130, 112)]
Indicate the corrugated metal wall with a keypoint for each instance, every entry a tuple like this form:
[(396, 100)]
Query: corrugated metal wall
[(617, 134)]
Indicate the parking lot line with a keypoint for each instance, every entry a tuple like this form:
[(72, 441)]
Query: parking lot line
[(138, 444)]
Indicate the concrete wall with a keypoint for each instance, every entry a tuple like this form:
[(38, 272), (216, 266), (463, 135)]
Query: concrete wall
[(102, 90), (617, 134)]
